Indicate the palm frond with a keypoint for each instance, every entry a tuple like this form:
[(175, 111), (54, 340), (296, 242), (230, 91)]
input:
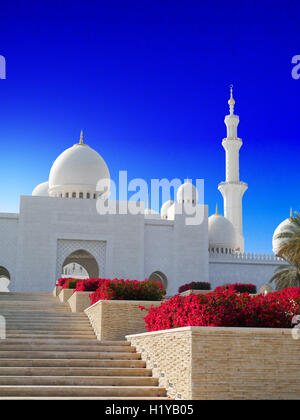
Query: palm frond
[(286, 276)]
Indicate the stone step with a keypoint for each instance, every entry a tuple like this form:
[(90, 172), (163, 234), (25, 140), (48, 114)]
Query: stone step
[(33, 305), (24, 294), (74, 371), (79, 380), (71, 363), (45, 333), (39, 320), (19, 304), (64, 347), (51, 353), (82, 398), (67, 355), (47, 325), (29, 298), (42, 315), (57, 340), (31, 336), (38, 309), (81, 391)]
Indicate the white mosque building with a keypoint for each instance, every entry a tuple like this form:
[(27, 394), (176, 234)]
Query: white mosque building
[(58, 230)]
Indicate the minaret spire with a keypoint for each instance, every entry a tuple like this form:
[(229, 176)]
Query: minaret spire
[(231, 101), (233, 189)]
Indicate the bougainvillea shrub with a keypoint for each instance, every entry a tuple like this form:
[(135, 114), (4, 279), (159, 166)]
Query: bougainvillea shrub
[(61, 282), (289, 293), (88, 285), (224, 308), (238, 287), (67, 282), (195, 285), (128, 290)]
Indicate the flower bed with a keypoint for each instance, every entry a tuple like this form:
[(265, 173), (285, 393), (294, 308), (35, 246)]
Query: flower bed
[(238, 287), (128, 290), (67, 282), (226, 308), (195, 285), (88, 285)]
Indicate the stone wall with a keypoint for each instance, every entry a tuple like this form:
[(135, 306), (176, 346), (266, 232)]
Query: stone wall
[(113, 319), (241, 268), (223, 363), (79, 301)]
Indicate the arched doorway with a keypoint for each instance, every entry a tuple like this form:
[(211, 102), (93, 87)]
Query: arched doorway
[(159, 276), (4, 279), (81, 261)]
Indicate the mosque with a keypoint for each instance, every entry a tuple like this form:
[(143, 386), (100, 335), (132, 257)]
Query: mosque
[(59, 232)]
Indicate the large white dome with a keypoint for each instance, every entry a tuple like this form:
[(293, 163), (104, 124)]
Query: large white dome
[(284, 226), (77, 171), (221, 233), (187, 193), (41, 190)]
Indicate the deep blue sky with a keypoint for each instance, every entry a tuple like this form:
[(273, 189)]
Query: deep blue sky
[(148, 83)]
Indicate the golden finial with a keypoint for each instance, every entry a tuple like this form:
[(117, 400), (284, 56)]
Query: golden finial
[(81, 137), (231, 101), (291, 212), (217, 213)]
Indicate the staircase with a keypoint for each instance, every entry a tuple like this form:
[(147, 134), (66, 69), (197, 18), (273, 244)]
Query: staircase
[(51, 353)]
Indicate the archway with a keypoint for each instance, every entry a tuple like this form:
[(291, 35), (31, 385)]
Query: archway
[(81, 261), (4, 279), (159, 276), (75, 270)]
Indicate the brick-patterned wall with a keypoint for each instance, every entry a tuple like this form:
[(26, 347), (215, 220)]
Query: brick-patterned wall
[(113, 319), (223, 363), (168, 354)]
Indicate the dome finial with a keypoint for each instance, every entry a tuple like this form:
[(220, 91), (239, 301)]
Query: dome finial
[(231, 101), (81, 137), (217, 213), (291, 212)]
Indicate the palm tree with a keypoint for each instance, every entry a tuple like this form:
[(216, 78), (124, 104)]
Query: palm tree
[(289, 275)]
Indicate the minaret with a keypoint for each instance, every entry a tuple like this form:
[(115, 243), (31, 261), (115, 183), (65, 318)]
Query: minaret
[(233, 189)]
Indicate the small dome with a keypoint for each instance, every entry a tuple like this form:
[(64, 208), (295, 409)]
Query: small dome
[(221, 233), (265, 289), (41, 190), (164, 209), (78, 168), (187, 193), (278, 242)]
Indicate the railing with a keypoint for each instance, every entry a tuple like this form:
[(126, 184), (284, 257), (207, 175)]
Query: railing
[(231, 255)]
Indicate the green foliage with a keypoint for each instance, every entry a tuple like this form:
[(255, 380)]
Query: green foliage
[(289, 275)]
